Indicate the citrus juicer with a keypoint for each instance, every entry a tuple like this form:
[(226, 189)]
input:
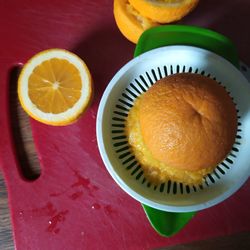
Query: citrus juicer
[(162, 51)]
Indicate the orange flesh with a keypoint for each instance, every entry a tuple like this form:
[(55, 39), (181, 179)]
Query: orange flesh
[(55, 86)]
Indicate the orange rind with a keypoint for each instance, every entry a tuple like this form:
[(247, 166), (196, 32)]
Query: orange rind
[(129, 21), (164, 11)]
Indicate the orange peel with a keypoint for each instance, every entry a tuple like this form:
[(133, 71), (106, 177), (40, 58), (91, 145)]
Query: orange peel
[(129, 21), (164, 11)]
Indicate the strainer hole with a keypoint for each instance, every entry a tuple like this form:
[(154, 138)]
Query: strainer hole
[(118, 119), (154, 75), (235, 149), (165, 70), (171, 70), (162, 187), (117, 144), (177, 68), (122, 149), (126, 103), (216, 174), (124, 155), (233, 155), (144, 81), (174, 188), (221, 170), (127, 97), (119, 137), (225, 165), (135, 170), (131, 165), (229, 160), (181, 188), (133, 86), (184, 68), (121, 107), (169, 186), (117, 131), (118, 125), (159, 72), (149, 78), (190, 69), (138, 176), (131, 93), (128, 160), (121, 113), (141, 87), (211, 178), (187, 189)]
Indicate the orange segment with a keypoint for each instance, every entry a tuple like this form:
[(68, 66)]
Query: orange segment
[(129, 21), (55, 87), (164, 11)]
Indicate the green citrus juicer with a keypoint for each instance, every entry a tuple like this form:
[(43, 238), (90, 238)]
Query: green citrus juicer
[(162, 51), (169, 223)]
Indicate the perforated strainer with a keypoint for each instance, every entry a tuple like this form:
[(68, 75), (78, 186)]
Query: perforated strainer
[(135, 78)]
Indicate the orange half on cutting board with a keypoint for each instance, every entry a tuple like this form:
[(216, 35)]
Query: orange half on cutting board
[(55, 87)]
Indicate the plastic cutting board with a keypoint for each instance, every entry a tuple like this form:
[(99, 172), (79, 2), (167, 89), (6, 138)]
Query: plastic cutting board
[(75, 204)]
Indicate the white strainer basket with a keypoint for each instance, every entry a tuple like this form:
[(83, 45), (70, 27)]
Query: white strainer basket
[(135, 78)]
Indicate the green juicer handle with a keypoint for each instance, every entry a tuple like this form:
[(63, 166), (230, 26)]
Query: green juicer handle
[(166, 35), (169, 223)]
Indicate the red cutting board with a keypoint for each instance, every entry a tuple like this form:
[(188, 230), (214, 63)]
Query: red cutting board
[(75, 204)]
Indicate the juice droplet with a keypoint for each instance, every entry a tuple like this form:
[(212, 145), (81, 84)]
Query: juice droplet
[(95, 206), (53, 222)]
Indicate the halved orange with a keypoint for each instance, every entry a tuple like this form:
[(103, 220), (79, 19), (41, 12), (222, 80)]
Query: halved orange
[(164, 11), (129, 21), (182, 128), (55, 87)]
